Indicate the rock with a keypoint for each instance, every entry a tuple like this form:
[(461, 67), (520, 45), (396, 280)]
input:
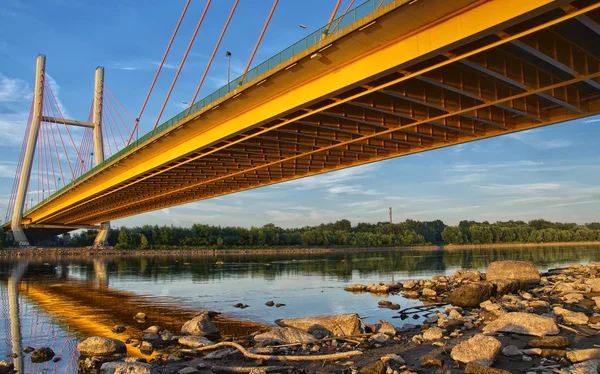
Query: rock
[(470, 275), (188, 370), (587, 367), (429, 361), (117, 329), (28, 349), (270, 303), (384, 303), (572, 298), (127, 368), (475, 368), (167, 335), (409, 285), (573, 318), (480, 349), (152, 330), (150, 336), (146, 348), (511, 350), (200, 325), (6, 367), (220, 354), (454, 314), (505, 286), (378, 288), (284, 335), (523, 323), (140, 316), (525, 272), (193, 341), (583, 354), (379, 338), (594, 283), (597, 301), (385, 327), (101, 346), (428, 292), (471, 295), (356, 288), (279, 305), (339, 325), (393, 358), (42, 355), (549, 342), (377, 367), (433, 333)]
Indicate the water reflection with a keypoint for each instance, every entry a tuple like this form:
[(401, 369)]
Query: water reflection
[(58, 302)]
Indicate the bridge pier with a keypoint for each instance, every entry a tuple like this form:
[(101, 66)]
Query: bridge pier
[(101, 238), (19, 236)]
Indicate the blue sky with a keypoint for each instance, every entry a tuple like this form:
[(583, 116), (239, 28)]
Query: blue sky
[(553, 172)]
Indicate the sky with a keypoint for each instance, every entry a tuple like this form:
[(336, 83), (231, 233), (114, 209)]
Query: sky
[(551, 172)]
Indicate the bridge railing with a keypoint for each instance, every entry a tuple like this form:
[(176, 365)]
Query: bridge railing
[(300, 46)]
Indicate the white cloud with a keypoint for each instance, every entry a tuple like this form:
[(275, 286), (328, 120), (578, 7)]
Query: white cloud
[(14, 90), (12, 127), (7, 169), (335, 177), (533, 138), (56, 91), (207, 206), (351, 190)]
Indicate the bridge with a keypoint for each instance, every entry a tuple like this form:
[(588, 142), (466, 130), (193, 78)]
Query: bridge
[(386, 79)]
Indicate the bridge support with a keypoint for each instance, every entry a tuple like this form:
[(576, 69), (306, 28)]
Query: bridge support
[(101, 238), (38, 96)]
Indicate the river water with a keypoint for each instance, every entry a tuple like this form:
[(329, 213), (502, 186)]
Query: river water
[(59, 302)]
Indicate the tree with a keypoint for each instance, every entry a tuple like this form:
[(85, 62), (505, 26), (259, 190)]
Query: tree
[(123, 239), (452, 235), (143, 242)]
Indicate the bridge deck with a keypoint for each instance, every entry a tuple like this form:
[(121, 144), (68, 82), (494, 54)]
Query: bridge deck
[(407, 78)]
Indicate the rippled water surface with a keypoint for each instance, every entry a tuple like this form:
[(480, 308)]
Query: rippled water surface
[(59, 302)]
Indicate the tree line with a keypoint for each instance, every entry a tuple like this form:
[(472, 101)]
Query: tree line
[(343, 234)]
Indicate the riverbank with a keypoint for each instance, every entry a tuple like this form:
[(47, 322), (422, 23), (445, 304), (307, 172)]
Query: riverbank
[(88, 252), (510, 319)]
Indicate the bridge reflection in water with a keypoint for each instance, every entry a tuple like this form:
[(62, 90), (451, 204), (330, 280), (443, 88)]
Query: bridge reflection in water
[(59, 306)]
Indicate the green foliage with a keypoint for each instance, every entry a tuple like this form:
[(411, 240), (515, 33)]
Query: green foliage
[(143, 241), (452, 235), (123, 239)]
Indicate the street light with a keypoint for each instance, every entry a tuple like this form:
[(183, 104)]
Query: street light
[(302, 26), (228, 55)]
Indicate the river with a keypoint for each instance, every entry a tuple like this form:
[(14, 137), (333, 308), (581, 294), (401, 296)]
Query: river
[(57, 303)]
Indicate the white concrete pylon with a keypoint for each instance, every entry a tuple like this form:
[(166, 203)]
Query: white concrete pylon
[(102, 237)]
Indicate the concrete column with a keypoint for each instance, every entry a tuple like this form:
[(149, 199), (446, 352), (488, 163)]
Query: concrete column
[(14, 280), (18, 235), (101, 238)]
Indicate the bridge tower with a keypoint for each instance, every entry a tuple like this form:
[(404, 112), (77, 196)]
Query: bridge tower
[(19, 236)]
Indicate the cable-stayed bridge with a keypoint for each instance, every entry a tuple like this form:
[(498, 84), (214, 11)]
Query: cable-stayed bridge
[(385, 79)]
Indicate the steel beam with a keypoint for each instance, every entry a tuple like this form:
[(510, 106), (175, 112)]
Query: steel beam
[(70, 122)]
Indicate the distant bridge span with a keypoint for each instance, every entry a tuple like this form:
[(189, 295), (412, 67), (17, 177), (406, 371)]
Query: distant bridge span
[(405, 78)]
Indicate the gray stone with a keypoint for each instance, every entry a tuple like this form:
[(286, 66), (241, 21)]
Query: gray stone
[(472, 294), (220, 354), (150, 336), (385, 327), (433, 333), (586, 367), (127, 368), (511, 350), (379, 338), (398, 360), (338, 325), (152, 330), (523, 323), (519, 270), (200, 325), (146, 348), (480, 349), (284, 335), (193, 341), (101, 346), (188, 370)]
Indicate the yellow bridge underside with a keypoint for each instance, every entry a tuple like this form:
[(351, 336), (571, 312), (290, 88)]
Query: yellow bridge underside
[(408, 78)]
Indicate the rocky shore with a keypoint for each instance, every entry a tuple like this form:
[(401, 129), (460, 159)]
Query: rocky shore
[(511, 319)]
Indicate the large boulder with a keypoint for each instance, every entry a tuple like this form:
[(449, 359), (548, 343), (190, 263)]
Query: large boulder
[(127, 368), (284, 335), (200, 325), (101, 346), (6, 367), (523, 323), (525, 272), (480, 349), (339, 325), (472, 294)]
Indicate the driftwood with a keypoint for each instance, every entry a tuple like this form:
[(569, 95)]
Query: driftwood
[(254, 356), (422, 308), (240, 369), (347, 338), (578, 332)]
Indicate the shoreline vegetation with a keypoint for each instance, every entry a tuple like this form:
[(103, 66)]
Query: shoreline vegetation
[(409, 233), (113, 252)]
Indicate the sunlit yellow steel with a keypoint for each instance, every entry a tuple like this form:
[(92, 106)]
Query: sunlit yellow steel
[(391, 42)]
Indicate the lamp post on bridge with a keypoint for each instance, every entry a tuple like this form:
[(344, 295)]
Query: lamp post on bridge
[(228, 55)]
